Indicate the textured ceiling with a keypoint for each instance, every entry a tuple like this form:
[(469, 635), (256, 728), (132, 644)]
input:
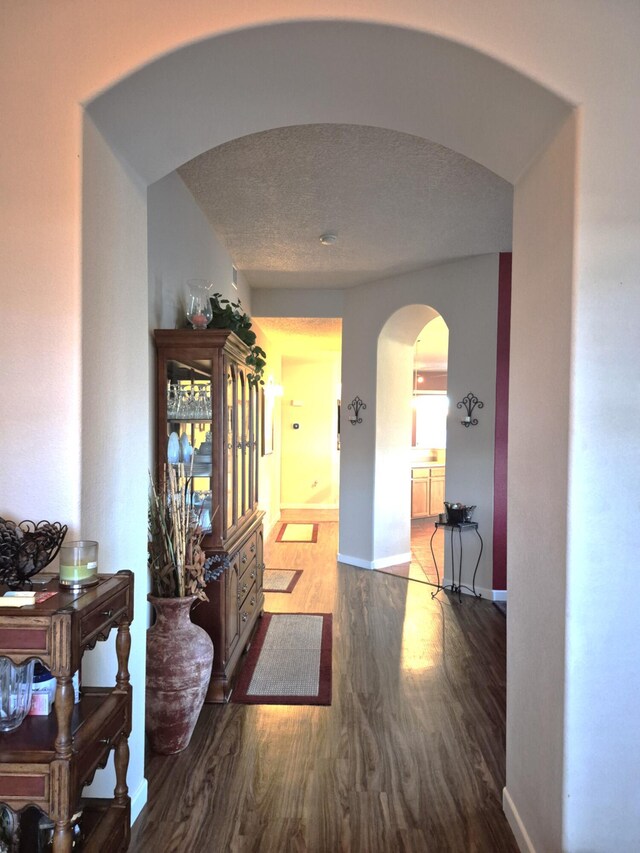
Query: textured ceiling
[(396, 203)]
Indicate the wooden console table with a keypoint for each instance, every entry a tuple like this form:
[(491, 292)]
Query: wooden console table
[(47, 761)]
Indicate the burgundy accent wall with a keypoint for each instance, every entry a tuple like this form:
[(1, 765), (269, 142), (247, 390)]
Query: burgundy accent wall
[(502, 424)]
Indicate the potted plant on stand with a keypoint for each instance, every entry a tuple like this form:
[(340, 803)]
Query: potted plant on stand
[(179, 653)]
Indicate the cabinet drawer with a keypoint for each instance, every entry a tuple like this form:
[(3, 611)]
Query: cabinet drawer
[(248, 573), (420, 473), (25, 784), (248, 607), (101, 732), (247, 581), (248, 551), (97, 622)]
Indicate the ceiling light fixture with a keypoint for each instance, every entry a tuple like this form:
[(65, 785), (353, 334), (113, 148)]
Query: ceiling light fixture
[(328, 239)]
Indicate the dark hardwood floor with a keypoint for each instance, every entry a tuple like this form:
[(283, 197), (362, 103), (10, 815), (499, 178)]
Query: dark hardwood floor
[(409, 757)]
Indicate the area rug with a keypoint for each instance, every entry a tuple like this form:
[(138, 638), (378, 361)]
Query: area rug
[(289, 661), (297, 532), (281, 580)]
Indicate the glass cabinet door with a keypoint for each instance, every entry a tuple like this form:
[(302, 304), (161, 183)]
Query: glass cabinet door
[(246, 450), (231, 516), (189, 430), (253, 446), (240, 441), (208, 420)]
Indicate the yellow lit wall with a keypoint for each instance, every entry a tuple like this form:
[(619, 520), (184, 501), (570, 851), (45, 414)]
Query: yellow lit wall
[(310, 458), (269, 466)]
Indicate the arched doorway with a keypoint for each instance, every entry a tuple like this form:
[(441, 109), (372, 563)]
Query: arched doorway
[(430, 405), (205, 94)]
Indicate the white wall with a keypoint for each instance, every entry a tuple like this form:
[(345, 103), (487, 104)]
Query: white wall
[(465, 294), (538, 462), (115, 414), (283, 302), (183, 245)]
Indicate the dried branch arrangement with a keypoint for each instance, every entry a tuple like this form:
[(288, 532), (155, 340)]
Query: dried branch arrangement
[(177, 561)]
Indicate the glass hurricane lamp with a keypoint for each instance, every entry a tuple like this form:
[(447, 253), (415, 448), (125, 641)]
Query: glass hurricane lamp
[(199, 311)]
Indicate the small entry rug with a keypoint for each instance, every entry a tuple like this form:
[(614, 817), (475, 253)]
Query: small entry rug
[(281, 580), (297, 532), (289, 661)]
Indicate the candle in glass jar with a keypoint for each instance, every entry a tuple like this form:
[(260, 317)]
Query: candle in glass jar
[(79, 564), (199, 321)]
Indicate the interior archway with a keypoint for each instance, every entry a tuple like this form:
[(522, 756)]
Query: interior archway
[(203, 95), (392, 519)]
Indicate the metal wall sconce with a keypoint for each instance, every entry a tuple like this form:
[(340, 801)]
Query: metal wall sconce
[(469, 403), (356, 405)]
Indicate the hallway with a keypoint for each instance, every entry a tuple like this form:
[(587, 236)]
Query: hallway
[(409, 757)]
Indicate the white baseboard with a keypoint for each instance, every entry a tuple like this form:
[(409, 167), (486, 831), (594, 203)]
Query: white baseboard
[(353, 561), (139, 800), (499, 595), (309, 506), (381, 563), (517, 826)]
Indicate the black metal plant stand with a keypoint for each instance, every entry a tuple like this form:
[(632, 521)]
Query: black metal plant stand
[(456, 587)]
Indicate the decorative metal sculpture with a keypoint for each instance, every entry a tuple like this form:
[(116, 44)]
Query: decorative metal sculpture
[(469, 403), (356, 405), (26, 548)]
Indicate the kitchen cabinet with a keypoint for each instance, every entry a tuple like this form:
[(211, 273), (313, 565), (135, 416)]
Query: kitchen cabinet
[(48, 760), (205, 398), (427, 490)]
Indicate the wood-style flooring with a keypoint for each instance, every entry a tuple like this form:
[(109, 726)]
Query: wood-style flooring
[(409, 756)]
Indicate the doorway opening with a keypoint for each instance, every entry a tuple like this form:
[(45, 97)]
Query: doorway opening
[(302, 474), (430, 409)]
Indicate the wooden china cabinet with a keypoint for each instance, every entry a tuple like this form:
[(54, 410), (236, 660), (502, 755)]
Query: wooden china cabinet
[(208, 417)]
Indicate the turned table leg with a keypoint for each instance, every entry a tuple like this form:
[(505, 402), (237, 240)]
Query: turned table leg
[(64, 708), (62, 837), (121, 763), (123, 647)]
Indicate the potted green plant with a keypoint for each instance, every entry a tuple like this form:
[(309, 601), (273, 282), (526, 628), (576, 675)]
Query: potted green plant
[(231, 315), (179, 653)]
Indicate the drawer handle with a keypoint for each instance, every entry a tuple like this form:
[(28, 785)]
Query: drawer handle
[(244, 558), (253, 602), (108, 613), (252, 548), (252, 574), (105, 741), (244, 587), (245, 616)]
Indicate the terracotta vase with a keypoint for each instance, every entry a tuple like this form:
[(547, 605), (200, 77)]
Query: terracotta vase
[(179, 658)]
